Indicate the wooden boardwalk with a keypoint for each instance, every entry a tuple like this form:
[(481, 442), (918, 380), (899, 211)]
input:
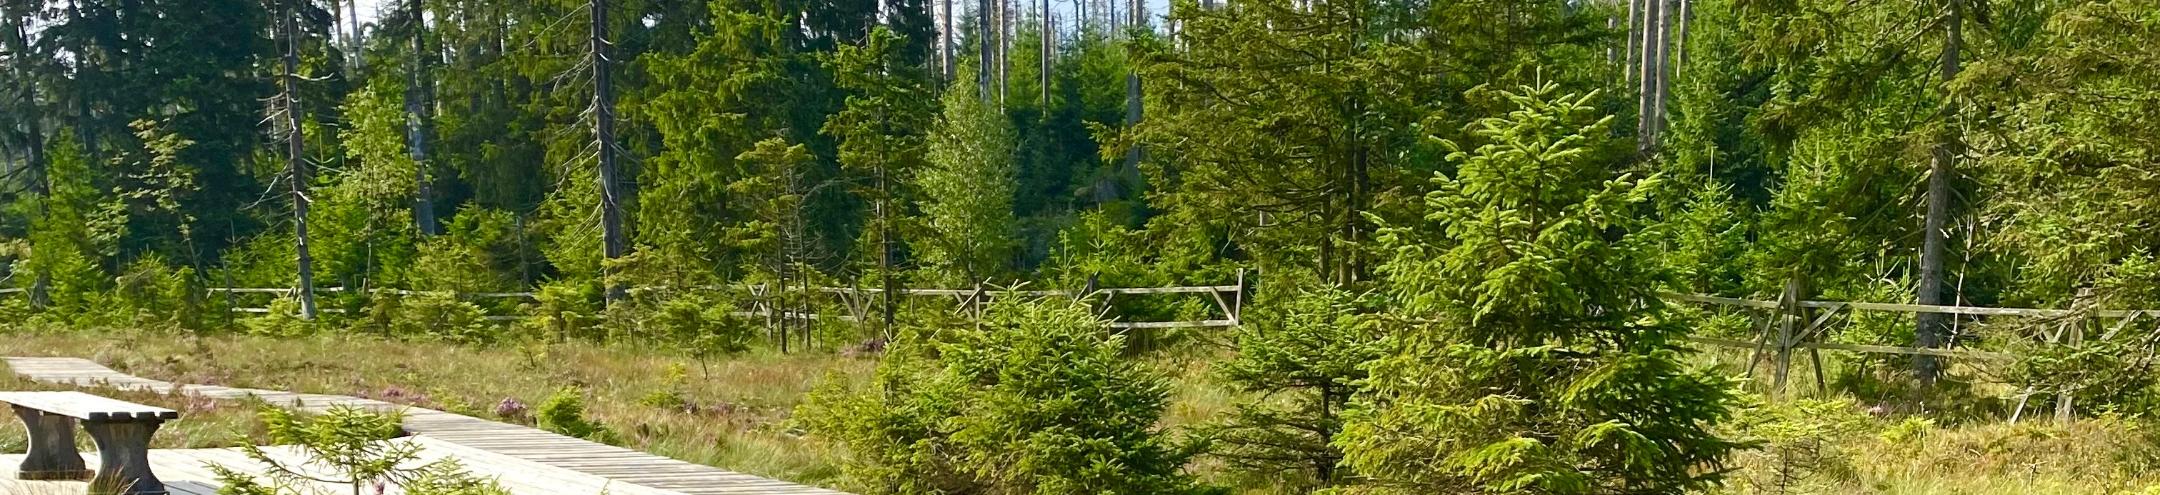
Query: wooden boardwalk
[(482, 444), (187, 472)]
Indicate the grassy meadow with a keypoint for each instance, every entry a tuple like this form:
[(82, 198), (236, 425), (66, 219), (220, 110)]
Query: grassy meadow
[(734, 412)]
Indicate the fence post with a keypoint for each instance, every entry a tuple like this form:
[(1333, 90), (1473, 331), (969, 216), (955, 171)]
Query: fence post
[(1237, 303), (1788, 307), (2064, 409), (977, 301)]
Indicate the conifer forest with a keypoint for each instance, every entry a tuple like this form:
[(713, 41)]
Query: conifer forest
[(1008, 247)]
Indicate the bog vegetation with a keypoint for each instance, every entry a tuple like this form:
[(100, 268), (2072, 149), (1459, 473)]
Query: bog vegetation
[(1465, 217)]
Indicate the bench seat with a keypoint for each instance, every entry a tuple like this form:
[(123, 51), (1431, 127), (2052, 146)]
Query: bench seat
[(87, 407), (121, 429)]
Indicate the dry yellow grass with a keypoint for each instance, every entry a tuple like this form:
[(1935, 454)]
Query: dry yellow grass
[(735, 415), (206, 423), (742, 405)]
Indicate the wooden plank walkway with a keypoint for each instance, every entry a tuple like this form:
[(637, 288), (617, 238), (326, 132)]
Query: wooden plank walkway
[(187, 472), (463, 435)]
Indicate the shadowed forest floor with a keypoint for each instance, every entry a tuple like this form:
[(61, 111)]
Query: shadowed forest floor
[(734, 412)]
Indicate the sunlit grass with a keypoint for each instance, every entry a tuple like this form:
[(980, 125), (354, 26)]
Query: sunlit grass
[(738, 408)]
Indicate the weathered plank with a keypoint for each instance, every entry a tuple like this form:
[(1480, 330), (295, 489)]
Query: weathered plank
[(84, 406)]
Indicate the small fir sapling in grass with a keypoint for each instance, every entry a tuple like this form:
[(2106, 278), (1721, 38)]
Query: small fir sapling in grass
[(562, 310), (1302, 355), (432, 316), (670, 395), (1039, 398), (564, 413), (283, 320), (350, 446), (1801, 444)]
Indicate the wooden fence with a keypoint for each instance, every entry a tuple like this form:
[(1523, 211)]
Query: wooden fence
[(858, 304), (1783, 328)]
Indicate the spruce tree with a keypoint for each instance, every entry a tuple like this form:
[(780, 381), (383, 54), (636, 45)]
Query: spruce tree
[(1037, 399), (967, 190), (1301, 353), (1534, 357)]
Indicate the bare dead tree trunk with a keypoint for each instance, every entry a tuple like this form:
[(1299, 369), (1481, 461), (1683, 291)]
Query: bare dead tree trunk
[(885, 248), (1687, 14), (1933, 329), (1004, 50), (613, 243), (1133, 105), (1663, 87), (945, 56), (338, 36), (356, 38), (1647, 82), (1049, 49), (417, 95), (1634, 40), (296, 172), (984, 51)]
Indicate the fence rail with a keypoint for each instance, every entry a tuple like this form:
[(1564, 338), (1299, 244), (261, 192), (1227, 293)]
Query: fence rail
[(1781, 328), (1228, 300), (1793, 324)]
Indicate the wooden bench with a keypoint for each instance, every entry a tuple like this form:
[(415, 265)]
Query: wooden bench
[(121, 429)]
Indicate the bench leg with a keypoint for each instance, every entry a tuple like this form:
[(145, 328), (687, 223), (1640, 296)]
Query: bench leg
[(52, 448), (124, 455)]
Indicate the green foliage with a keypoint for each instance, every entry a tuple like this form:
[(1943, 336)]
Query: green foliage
[(702, 322), (563, 310), (967, 189), (481, 250), (281, 320), (76, 236), (1303, 357), (670, 395), (432, 315), (1286, 123), (345, 445), (1708, 232), (564, 413), (151, 294), (1800, 444), (1038, 399), (2103, 374), (1534, 358)]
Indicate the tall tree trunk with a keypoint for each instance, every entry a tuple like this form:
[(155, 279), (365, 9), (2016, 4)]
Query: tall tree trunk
[(358, 40), (1133, 106), (1049, 50), (984, 51), (885, 248), (1687, 14), (1634, 40), (418, 92), (35, 179), (1666, 15), (1004, 49), (1933, 329), (945, 56), (296, 171), (1646, 69), (613, 243), (337, 33)]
